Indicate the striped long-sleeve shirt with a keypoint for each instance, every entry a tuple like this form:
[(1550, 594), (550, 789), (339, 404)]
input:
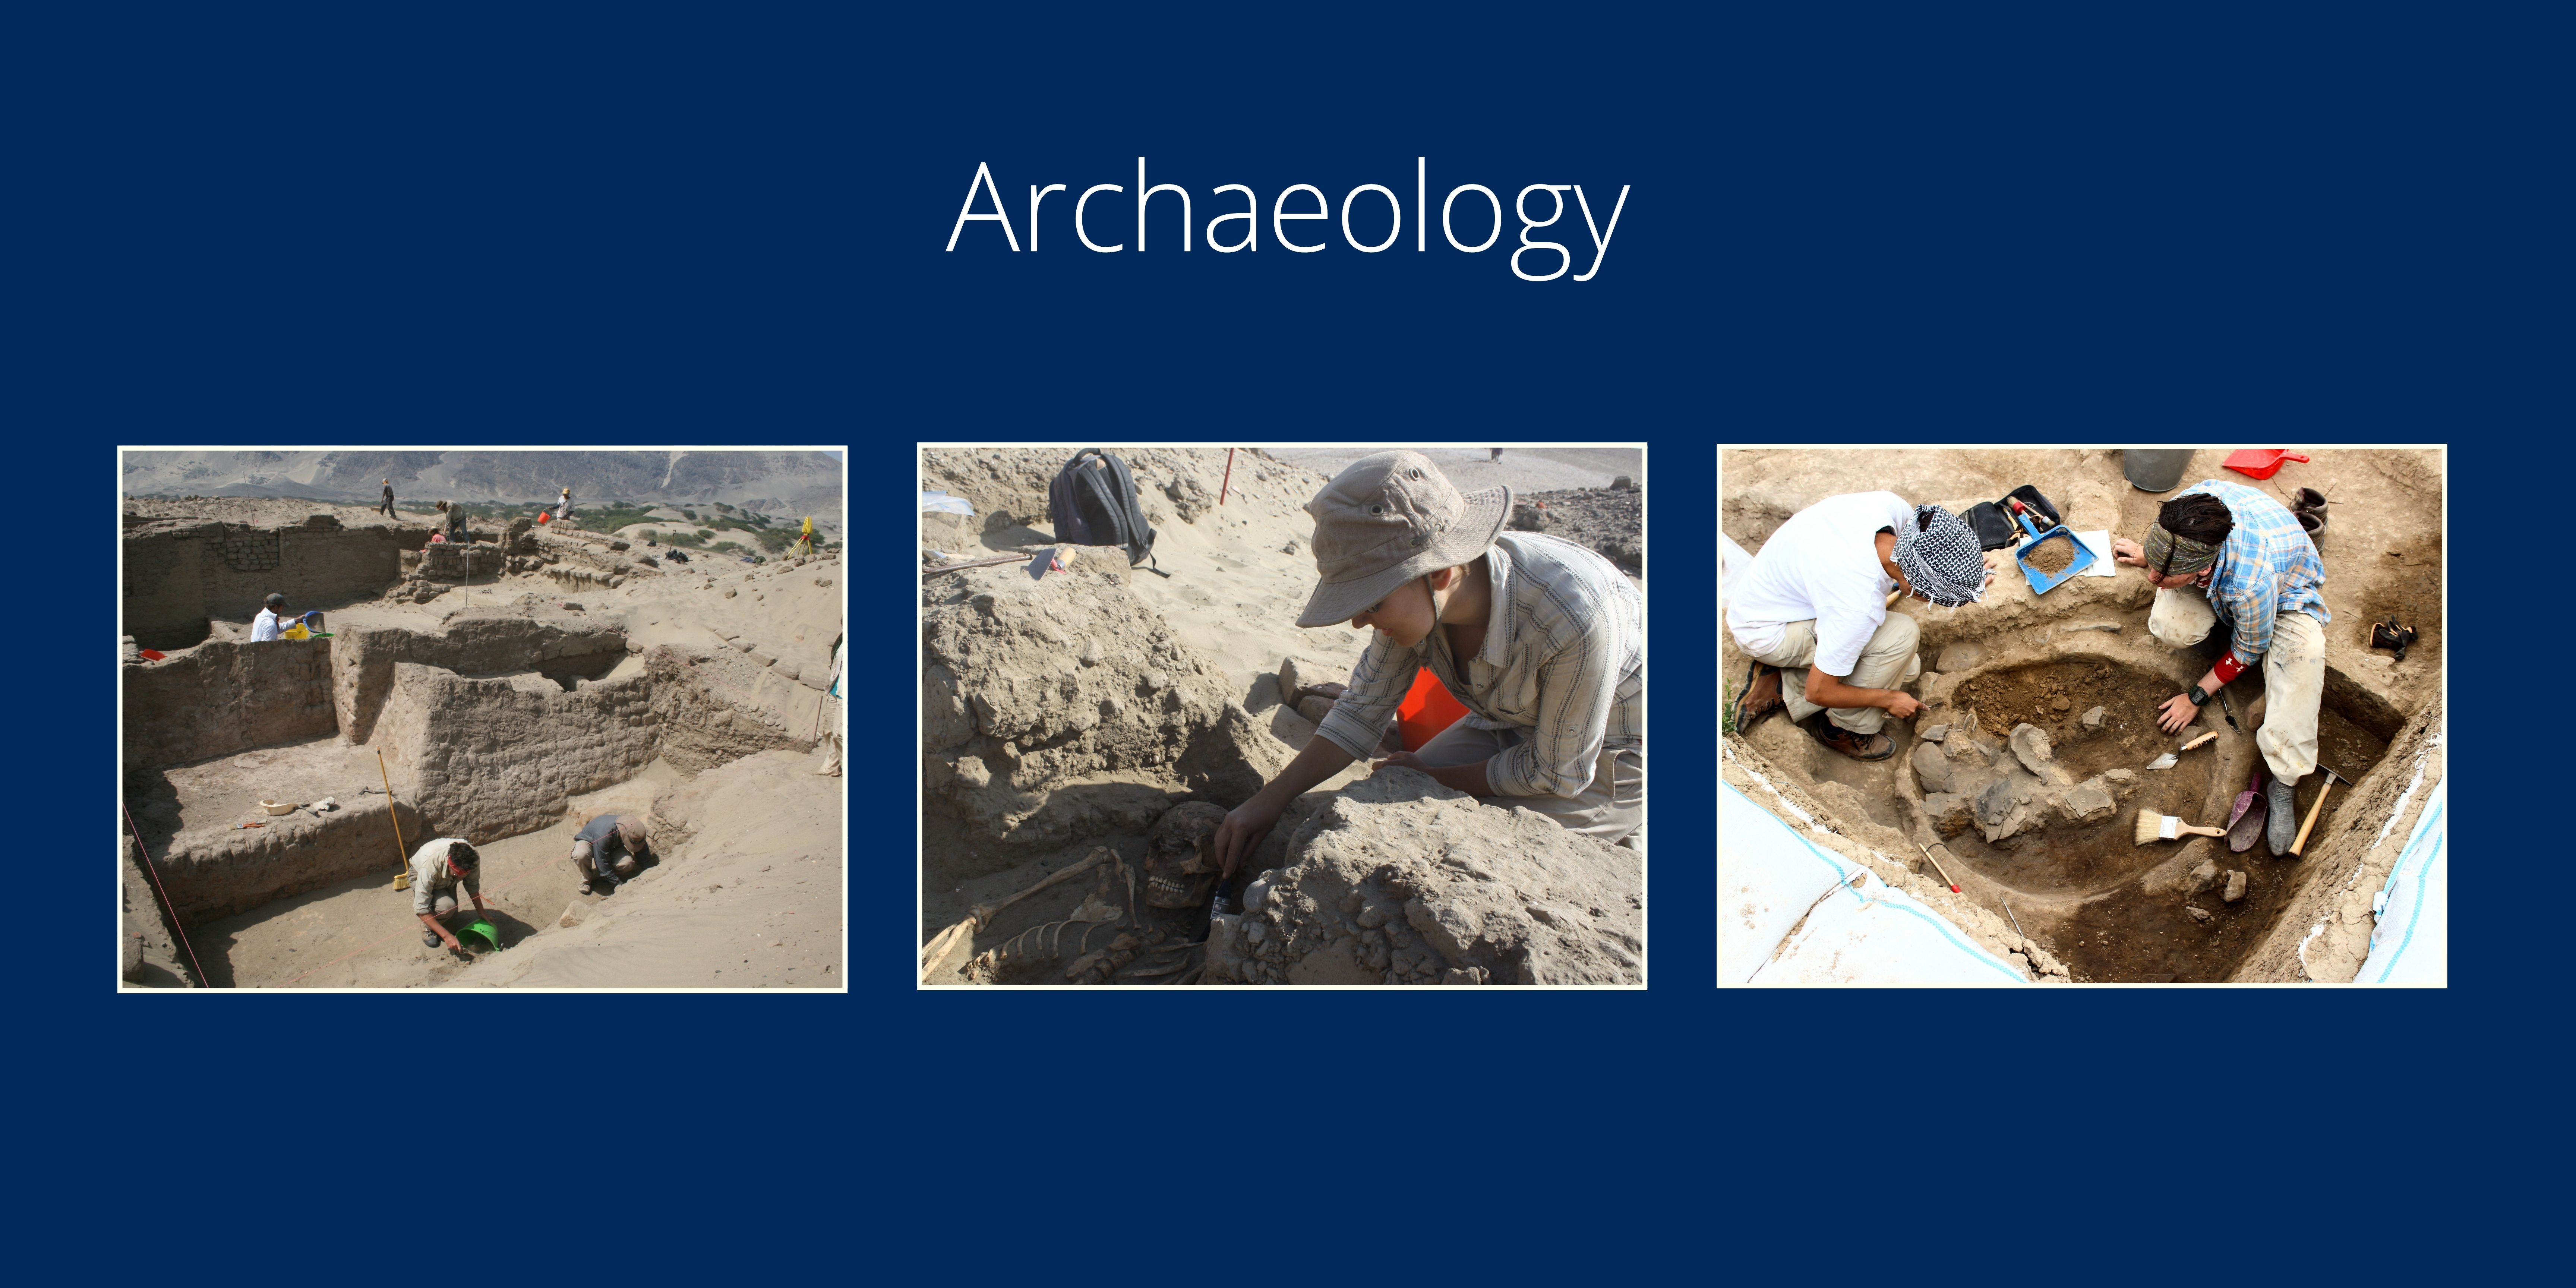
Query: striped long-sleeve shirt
[(2267, 566), (1563, 658)]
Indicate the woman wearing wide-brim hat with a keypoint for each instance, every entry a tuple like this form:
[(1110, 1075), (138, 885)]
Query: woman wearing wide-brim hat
[(1539, 638)]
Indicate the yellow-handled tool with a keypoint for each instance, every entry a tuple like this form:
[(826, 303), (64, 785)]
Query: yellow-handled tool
[(402, 853)]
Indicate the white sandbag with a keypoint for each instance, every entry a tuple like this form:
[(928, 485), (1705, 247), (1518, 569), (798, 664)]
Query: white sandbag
[(942, 503), (1767, 878), (2412, 942)]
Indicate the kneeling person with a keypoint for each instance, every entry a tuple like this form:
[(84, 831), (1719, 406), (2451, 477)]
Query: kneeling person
[(1539, 638), (437, 869), (2226, 551), (607, 850), (1812, 613)]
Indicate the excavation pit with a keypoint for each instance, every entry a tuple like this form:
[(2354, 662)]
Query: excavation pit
[(2085, 894)]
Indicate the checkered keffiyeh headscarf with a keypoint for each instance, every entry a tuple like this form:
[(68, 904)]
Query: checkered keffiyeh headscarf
[(1940, 555)]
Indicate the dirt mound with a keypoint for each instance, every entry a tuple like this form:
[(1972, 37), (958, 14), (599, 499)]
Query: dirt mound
[(1399, 880), (1611, 520), (1066, 707)]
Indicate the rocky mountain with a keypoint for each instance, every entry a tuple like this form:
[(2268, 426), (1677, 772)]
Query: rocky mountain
[(785, 484)]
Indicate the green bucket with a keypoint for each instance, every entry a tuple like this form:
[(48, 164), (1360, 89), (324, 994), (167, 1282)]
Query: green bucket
[(485, 929)]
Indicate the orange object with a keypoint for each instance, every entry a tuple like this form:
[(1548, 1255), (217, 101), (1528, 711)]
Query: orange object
[(2261, 462), (155, 654), (545, 516), (1426, 710)]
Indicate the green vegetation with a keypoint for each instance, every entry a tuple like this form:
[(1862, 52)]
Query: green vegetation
[(774, 540)]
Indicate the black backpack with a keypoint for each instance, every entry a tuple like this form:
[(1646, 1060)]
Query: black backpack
[(1092, 502)]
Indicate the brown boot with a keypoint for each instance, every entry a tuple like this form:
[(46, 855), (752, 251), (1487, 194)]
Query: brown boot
[(1761, 697), (1858, 746)]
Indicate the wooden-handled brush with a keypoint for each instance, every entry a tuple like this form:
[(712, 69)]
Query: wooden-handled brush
[(2153, 826)]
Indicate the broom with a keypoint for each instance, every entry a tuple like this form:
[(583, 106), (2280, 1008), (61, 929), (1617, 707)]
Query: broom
[(402, 880), (2153, 826)]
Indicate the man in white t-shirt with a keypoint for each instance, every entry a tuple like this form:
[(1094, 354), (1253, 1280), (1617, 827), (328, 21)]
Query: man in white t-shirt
[(1812, 612), (265, 626)]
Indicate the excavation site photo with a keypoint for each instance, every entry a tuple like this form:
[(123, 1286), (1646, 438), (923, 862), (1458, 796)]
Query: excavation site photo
[(481, 719), (2077, 774), (1112, 662)]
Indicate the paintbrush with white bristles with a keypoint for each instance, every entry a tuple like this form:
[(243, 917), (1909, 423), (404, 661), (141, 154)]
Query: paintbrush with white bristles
[(2153, 826)]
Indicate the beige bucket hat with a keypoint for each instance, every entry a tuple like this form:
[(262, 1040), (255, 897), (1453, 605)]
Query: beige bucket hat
[(1387, 519)]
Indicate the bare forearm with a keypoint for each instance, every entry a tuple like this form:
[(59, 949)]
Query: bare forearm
[(1469, 778), (1827, 691), (1321, 759)]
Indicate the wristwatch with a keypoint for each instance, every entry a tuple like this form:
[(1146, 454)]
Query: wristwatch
[(2199, 696)]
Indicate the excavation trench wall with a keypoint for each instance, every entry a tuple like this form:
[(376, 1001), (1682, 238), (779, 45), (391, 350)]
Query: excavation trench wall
[(178, 576), (1065, 708), (215, 875), (222, 697), (494, 757)]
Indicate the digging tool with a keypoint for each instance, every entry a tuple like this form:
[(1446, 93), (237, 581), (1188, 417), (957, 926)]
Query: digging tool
[(402, 855), (976, 563), (1936, 866), (2043, 582), (2153, 826), (2167, 760), (2322, 788), (1229, 476), (2228, 711), (2245, 822), (983, 913), (2016, 921)]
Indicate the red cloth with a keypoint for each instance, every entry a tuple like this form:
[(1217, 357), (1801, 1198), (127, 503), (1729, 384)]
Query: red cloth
[(1426, 710)]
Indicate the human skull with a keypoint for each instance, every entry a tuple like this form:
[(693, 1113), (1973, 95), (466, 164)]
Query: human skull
[(1180, 872)]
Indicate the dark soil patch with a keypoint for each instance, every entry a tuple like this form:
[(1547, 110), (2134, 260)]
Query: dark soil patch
[(2052, 555), (2410, 587), (2134, 937), (2055, 695), (1610, 520)]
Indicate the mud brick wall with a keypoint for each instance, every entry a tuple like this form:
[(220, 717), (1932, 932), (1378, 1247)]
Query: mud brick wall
[(215, 875), (700, 729), (177, 578), (364, 665), (222, 697), (489, 758), (451, 561)]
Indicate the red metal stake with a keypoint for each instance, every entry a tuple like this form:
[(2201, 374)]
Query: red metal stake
[(1229, 476)]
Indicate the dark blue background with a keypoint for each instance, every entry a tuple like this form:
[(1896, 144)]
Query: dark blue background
[(650, 225)]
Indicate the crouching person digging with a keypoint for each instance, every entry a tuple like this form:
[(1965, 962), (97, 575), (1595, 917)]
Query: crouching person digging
[(437, 870), (607, 850), (2238, 579), (1812, 614), (1539, 638)]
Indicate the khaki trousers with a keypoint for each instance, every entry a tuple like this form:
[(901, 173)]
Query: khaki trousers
[(2294, 675), (1888, 661), (1610, 809)]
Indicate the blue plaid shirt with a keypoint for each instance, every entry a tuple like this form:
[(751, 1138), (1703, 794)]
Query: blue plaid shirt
[(2267, 566)]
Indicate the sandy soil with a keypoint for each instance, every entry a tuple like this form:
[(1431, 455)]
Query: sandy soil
[(1523, 469)]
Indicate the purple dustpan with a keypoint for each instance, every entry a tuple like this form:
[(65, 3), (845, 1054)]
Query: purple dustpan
[(2245, 822)]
